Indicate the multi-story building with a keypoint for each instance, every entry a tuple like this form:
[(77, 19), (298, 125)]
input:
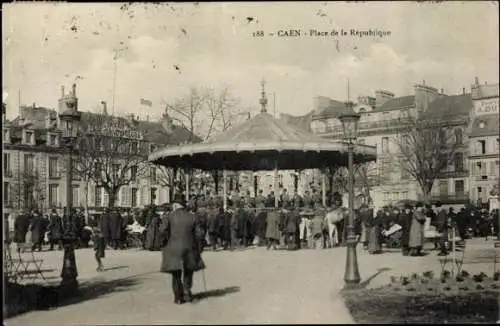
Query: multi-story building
[(34, 159), (383, 120), (484, 141)]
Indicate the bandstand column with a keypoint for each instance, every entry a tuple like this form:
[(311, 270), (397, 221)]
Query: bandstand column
[(224, 190), (276, 198)]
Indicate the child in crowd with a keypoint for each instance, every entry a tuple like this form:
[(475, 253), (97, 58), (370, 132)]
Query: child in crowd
[(99, 245)]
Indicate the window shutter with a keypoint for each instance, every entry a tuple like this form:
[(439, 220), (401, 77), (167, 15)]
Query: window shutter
[(483, 168), (105, 198), (493, 168)]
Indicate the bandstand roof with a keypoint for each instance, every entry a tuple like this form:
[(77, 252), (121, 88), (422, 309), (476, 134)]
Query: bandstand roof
[(262, 143)]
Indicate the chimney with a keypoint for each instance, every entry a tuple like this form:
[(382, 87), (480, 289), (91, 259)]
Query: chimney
[(147, 117), (49, 120), (73, 90), (485, 82), (424, 95), (463, 90), (104, 108), (62, 91), (34, 105), (382, 96), (442, 91), (476, 80)]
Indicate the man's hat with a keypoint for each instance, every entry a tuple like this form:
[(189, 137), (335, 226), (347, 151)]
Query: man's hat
[(179, 199)]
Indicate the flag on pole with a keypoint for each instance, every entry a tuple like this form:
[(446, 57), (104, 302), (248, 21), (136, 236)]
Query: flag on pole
[(146, 102)]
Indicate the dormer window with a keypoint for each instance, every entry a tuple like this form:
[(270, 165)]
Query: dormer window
[(6, 135), (29, 137)]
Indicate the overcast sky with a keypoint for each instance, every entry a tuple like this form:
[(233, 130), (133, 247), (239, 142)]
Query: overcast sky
[(47, 45)]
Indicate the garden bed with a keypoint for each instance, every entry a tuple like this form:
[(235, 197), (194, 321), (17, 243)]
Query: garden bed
[(470, 299)]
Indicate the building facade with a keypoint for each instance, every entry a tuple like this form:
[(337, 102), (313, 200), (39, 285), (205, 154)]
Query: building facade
[(34, 160), (484, 142), (382, 121)]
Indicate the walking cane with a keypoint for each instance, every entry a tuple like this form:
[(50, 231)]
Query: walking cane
[(204, 280)]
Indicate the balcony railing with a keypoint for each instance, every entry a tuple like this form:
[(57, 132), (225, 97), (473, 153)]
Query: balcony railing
[(383, 124), (448, 198)]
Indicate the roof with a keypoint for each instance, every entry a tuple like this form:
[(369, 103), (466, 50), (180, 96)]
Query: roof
[(485, 91), (485, 125), (153, 131), (263, 127), (396, 103), (259, 144), (450, 106), (325, 106), (302, 122)]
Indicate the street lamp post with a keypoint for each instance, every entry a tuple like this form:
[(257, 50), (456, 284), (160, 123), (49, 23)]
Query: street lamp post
[(350, 127), (69, 119)]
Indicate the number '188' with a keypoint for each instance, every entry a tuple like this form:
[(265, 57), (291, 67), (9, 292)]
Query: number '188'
[(258, 34)]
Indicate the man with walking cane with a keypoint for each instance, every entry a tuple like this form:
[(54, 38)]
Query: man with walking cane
[(181, 254)]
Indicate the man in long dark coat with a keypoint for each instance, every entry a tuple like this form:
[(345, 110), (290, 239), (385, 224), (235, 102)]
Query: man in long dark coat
[(21, 226), (37, 232), (291, 227), (105, 226), (56, 230), (181, 256), (405, 218), (153, 241), (441, 227), (212, 223), (115, 225)]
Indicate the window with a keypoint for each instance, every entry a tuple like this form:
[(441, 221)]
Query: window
[(404, 195), (459, 136), (153, 196), (498, 144), (29, 137), (133, 173), (459, 188), (53, 164), (52, 140), (53, 195), (135, 197), (385, 145), (76, 196), (6, 136), (386, 196), (152, 147), (29, 198), (29, 163), (98, 196), (152, 173), (458, 161), (6, 165), (6, 193), (493, 168), (280, 181)]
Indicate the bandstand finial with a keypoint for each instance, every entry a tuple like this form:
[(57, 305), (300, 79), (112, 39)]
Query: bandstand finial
[(263, 98)]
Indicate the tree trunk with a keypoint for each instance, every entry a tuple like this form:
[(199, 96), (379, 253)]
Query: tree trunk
[(86, 202), (111, 197)]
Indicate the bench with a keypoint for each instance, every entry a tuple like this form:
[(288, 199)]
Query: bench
[(27, 266)]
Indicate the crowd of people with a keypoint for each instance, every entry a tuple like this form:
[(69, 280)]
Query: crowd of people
[(299, 222)]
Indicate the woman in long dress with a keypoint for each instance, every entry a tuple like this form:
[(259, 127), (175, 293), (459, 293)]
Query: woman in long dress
[(416, 242), (375, 230)]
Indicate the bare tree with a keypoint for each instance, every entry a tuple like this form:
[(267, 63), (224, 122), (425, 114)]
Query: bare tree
[(27, 190), (426, 148), (203, 113), (107, 157)]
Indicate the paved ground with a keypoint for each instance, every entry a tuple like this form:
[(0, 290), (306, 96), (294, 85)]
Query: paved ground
[(252, 286)]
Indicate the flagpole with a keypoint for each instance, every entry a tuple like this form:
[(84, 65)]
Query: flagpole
[(274, 103), (115, 72)]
